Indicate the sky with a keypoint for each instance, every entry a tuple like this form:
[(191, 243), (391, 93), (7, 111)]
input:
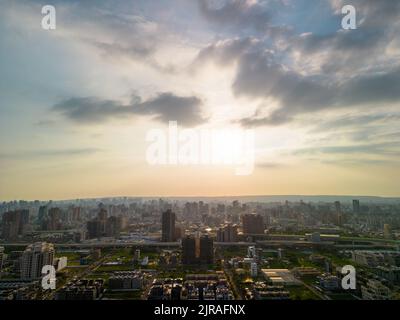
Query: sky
[(77, 102)]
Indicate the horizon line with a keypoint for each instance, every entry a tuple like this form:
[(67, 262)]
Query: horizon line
[(383, 197)]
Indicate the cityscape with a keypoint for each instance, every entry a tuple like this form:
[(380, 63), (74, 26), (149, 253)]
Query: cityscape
[(200, 158), (203, 250)]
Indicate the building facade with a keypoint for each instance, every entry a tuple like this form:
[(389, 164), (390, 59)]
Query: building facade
[(34, 258), (168, 226)]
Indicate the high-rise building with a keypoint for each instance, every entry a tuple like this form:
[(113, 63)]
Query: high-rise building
[(253, 269), (387, 231), (197, 250), (356, 206), (93, 229), (168, 226), (136, 256), (113, 226), (338, 207), (102, 215), (42, 215), (337, 216), (227, 233), (189, 250), (96, 227), (34, 258), (1, 258), (53, 221), (10, 225), (191, 210), (251, 252), (14, 223), (178, 232), (252, 224), (206, 250), (76, 214)]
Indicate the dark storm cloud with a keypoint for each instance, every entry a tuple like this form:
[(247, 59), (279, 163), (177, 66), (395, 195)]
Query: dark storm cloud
[(163, 107)]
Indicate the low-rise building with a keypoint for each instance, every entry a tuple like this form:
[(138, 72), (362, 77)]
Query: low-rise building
[(391, 274), (375, 290), (306, 271), (279, 277), (126, 280), (81, 290), (329, 282)]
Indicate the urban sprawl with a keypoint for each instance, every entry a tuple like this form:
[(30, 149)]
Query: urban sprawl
[(214, 249)]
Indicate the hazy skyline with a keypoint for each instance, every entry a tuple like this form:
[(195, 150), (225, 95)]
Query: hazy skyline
[(76, 102)]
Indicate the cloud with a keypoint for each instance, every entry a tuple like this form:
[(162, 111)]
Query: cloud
[(224, 52), (370, 154), (114, 32), (242, 13), (275, 119), (308, 72), (352, 51), (356, 162), (261, 74), (49, 153), (163, 107), (352, 120), (386, 148)]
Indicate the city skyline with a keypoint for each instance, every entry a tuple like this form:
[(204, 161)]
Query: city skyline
[(157, 249), (226, 198), (77, 102)]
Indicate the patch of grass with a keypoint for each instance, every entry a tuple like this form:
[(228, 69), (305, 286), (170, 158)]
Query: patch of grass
[(302, 293)]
